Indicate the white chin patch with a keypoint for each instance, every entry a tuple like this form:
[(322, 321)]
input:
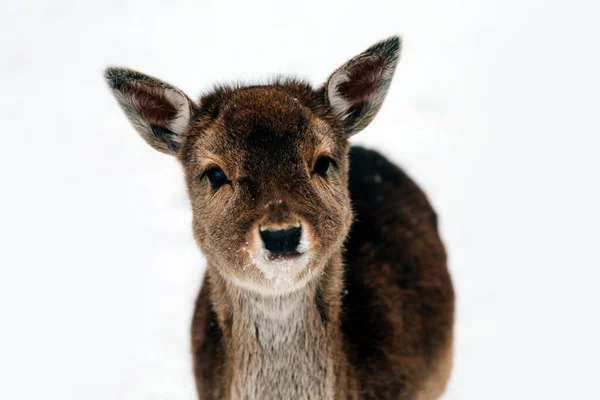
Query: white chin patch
[(282, 273)]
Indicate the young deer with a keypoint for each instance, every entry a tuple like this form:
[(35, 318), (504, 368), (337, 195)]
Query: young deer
[(326, 276)]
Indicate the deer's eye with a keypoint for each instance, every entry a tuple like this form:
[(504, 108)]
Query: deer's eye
[(216, 177), (323, 166)]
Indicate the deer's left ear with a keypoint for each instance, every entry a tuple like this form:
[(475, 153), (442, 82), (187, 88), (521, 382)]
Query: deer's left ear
[(158, 111), (356, 90)]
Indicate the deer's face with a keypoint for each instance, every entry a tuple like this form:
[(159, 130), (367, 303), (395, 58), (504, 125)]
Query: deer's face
[(267, 178), (266, 166)]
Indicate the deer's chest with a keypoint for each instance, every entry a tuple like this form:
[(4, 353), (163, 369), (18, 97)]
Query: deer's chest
[(282, 359)]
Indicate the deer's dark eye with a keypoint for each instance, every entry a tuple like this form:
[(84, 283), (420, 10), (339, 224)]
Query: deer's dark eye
[(216, 177), (322, 166)]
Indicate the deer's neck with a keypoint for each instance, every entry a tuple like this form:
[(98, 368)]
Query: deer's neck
[(282, 347)]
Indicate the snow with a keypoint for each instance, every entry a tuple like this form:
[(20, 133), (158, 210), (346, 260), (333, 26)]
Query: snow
[(494, 110)]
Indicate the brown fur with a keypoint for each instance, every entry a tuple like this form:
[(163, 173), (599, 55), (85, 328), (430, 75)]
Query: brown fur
[(370, 316)]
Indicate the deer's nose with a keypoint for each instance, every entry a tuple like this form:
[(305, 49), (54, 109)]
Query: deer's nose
[(281, 241)]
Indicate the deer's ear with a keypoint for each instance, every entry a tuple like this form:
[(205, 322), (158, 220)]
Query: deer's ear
[(356, 90), (158, 111)]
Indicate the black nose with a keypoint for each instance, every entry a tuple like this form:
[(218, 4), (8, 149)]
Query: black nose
[(281, 241)]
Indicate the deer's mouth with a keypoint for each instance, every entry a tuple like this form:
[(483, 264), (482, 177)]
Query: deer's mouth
[(284, 256)]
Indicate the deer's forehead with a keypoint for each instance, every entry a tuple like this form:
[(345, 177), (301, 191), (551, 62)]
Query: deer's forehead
[(245, 134), (260, 119)]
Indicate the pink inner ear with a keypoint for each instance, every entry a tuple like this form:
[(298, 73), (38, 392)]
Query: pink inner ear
[(363, 78), (151, 102)]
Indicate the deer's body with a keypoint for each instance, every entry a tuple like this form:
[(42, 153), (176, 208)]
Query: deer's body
[(326, 276), (378, 324)]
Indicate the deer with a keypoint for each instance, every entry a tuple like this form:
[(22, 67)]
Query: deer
[(326, 277)]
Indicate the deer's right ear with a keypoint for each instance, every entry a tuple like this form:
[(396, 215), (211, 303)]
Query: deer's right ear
[(158, 111)]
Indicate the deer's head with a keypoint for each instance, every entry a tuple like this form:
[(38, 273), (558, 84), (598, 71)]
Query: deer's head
[(266, 166)]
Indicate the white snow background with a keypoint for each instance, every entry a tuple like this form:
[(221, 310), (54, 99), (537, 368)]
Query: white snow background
[(494, 110)]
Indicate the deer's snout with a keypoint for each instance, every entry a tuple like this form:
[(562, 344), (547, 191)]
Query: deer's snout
[(281, 240)]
